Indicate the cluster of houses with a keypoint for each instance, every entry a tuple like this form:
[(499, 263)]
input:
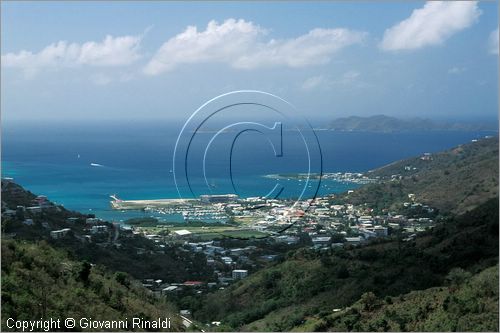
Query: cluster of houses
[(26, 213), (159, 287), (325, 223)]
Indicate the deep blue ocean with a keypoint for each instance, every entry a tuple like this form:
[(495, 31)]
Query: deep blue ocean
[(134, 161)]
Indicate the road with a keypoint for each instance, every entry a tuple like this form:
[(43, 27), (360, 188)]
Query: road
[(187, 322)]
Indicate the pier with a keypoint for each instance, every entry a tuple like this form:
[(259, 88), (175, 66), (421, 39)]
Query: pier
[(119, 204)]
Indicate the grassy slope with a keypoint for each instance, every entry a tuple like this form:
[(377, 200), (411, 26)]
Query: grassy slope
[(40, 281), (454, 181)]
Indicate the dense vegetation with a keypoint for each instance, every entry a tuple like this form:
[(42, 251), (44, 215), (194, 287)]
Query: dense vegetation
[(39, 281), (465, 303)]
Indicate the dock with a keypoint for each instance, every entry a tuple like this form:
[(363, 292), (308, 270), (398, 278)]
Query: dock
[(119, 204)]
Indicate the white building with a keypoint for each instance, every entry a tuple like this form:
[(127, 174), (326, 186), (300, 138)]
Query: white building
[(182, 233), (353, 240), (227, 260), (239, 274), (92, 220), (318, 241), (56, 234), (97, 229)]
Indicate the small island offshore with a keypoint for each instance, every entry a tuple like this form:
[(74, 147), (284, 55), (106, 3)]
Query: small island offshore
[(387, 124)]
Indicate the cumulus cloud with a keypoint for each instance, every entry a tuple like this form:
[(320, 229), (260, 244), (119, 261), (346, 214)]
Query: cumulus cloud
[(493, 42), (111, 51), (243, 45), (431, 25)]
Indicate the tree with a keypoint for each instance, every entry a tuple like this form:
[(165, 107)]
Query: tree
[(122, 278), (456, 277), (84, 273), (369, 301)]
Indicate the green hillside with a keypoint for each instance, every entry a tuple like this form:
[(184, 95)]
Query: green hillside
[(467, 303), (453, 181), (39, 281), (309, 283), (134, 254)]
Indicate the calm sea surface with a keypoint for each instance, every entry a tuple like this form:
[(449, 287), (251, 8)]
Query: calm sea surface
[(134, 161)]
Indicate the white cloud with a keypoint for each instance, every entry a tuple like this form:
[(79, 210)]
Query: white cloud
[(456, 70), (493, 42), (431, 25), (241, 44), (349, 79), (111, 51), (313, 82)]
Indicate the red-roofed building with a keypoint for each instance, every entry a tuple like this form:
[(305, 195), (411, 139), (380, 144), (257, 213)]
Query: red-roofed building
[(299, 213), (192, 283)]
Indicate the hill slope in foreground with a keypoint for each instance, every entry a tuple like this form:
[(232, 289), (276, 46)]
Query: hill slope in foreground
[(39, 281), (467, 303), (441, 280)]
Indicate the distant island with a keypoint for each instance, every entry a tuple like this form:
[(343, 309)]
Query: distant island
[(383, 123)]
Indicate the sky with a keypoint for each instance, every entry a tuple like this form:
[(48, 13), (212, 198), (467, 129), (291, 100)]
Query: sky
[(75, 61)]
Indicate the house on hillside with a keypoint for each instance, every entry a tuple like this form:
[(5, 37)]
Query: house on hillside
[(56, 234), (239, 274)]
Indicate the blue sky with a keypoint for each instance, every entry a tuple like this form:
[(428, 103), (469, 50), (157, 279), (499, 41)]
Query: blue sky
[(74, 61)]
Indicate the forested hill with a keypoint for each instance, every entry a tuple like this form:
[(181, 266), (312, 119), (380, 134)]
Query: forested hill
[(39, 281), (466, 303), (453, 181)]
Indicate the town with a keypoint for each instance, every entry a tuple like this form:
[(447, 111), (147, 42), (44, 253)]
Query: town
[(238, 235)]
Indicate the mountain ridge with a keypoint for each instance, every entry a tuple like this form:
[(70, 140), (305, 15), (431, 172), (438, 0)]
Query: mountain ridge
[(384, 123)]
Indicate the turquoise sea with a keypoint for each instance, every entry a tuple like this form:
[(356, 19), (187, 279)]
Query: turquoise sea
[(80, 165)]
